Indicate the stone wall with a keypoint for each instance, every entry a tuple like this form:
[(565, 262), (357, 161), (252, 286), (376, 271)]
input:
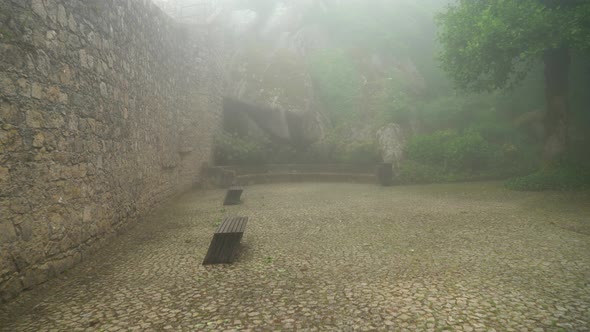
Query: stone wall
[(107, 107)]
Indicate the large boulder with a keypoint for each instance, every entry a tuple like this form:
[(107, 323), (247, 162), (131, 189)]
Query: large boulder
[(275, 92), (392, 143), (299, 128)]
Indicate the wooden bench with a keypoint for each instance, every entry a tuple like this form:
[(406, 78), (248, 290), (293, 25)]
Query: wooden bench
[(226, 240), (233, 195)]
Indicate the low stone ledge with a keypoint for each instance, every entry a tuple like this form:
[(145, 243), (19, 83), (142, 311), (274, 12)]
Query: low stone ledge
[(225, 176), (305, 177)]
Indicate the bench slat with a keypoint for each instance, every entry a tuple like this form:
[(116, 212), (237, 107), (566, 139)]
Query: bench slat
[(226, 240), (225, 224), (232, 197), (242, 225), (232, 225), (236, 224)]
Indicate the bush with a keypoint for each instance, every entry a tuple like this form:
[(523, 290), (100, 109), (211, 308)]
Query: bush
[(561, 178), (469, 152), (571, 172), (448, 156), (430, 149), (231, 149), (412, 172), (450, 151), (359, 152)]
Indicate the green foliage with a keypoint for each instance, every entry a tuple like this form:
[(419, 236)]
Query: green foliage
[(493, 44), (450, 155), (454, 112), (560, 178), (430, 149), (256, 150), (337, 81), (230, 149), (579, 27), (579, 96), (469, 151), (450, 150), (486, 45), (572, 172), (363, 152), (413, 172), (391, 101)]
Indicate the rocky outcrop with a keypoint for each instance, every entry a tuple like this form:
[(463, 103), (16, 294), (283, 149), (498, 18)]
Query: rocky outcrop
[(275, 92), (299, 128), (270, 69), (392, 143)]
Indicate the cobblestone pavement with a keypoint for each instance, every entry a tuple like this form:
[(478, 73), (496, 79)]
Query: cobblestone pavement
[(336, 257)]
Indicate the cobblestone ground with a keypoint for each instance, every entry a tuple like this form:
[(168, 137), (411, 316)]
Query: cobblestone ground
[(336, 257)]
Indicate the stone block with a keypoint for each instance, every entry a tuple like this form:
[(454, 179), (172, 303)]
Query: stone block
[(10, 114), (34, 119), (72, 24), (60, 266), (39, 140), (39, 8), (65, 75), (10, 289), (52, 10), (7, 266), (62, 16), (7, 86), (36, 276), (25, 229), (19, 205), (7, 232), (54, 120), (24, 88), (37, 91), (53, 93), (4, 174)]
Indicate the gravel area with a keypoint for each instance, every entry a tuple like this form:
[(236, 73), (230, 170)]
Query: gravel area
[(336, 257)]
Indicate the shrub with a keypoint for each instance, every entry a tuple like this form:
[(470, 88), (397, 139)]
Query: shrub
[(448, 156), (560, 178), (430, 149), (359, 152), (413, 172), (231, 149), (571, 172), (466, 152)]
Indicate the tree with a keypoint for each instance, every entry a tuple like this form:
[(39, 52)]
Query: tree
[(493, 44)]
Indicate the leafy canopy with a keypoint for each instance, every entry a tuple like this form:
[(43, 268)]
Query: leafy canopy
[(492, 44)]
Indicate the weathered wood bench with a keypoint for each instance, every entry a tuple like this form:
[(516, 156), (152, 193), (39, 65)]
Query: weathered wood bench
[(233, 195), (226, 240)]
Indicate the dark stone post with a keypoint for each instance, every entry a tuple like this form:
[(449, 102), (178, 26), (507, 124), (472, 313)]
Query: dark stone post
[(385, 174)]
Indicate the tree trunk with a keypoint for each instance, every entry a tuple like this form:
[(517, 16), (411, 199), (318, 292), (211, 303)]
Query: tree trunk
[(557, 63)]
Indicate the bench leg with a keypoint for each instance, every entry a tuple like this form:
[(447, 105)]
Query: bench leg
[(232, 197), (223, 248)]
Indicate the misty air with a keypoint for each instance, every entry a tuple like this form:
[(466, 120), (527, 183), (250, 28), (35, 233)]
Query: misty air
[(295, 165)]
